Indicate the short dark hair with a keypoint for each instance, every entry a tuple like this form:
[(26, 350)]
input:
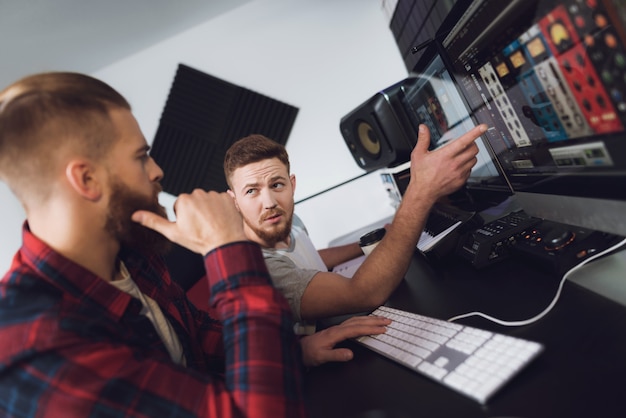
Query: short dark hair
[(252, 149), (43, 113)]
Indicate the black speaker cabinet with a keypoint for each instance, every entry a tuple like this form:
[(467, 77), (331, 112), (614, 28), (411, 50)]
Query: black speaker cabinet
[(379, 133)]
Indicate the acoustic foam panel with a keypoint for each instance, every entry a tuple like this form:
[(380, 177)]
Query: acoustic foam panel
[(202, 117), (415, 22)]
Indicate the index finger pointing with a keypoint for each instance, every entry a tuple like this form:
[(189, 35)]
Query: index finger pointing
[(471, 135)]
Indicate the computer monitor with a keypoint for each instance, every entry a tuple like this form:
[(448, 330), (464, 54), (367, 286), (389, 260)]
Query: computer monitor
[(432, 98), (549, 78)]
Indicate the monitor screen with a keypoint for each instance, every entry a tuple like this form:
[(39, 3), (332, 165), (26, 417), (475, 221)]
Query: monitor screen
[(549, 78), (431, 97)]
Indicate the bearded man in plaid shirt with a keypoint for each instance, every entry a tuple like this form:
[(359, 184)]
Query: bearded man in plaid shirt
[(91, 324)]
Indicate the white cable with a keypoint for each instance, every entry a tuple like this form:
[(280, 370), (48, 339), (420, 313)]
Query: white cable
[(551, 305)]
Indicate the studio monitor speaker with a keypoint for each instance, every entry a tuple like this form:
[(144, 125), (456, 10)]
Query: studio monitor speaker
[(380, 133)]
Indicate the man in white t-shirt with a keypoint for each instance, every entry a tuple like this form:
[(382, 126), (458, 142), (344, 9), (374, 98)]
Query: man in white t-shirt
[(258, 173)]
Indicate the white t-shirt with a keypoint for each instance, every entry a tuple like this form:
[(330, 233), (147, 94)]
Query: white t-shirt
[(291, 269), (153, 312)]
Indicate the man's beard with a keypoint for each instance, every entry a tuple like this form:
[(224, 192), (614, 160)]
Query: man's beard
[(277, 233), (124, 202)]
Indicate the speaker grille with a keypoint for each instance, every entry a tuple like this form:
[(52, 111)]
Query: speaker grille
[(203, 116)]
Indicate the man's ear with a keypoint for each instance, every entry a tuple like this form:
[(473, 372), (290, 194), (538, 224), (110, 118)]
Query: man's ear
[(292, 179), (232, 194), (80, 174)]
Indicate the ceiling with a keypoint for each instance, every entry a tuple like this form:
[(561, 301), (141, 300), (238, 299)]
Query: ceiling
[(86, 35)]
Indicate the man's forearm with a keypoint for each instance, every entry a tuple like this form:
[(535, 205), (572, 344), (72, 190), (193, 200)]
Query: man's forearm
[(334, 256)]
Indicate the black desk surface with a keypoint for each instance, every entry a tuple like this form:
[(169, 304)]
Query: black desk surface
[(581, 372)]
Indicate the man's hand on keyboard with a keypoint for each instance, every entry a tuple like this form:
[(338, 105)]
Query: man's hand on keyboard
[(319, 348)]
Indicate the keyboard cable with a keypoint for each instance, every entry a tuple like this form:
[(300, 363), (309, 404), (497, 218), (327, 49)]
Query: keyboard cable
[(554, 300)]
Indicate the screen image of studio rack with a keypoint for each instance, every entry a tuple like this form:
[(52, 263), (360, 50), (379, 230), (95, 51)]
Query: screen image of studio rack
[(549, 78)]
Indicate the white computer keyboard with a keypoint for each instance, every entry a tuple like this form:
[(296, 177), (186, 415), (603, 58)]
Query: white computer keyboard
[(471, 361)]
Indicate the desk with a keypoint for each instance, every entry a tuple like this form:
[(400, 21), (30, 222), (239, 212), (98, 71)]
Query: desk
[(581, 372)]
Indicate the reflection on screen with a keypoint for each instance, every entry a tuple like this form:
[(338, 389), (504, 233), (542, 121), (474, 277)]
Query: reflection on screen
[(433, 99)]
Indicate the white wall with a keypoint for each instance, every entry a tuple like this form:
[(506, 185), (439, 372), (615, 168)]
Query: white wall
[(325, 57), (11, 220)]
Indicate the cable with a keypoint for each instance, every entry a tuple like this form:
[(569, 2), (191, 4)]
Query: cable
[(554, 300)]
